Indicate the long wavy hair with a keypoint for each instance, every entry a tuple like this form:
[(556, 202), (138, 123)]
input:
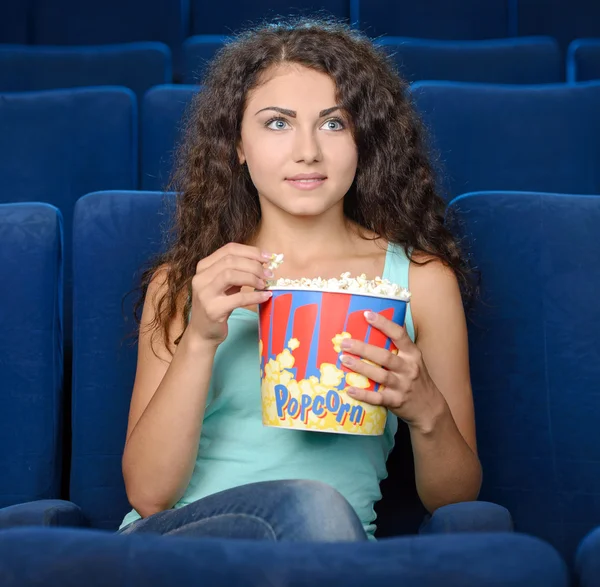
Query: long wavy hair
[(394, 191)]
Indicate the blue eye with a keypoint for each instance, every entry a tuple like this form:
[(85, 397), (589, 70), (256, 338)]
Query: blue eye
[(330, 124), (279, 124)]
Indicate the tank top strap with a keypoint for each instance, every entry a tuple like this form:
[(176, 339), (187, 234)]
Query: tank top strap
[(397, 266)]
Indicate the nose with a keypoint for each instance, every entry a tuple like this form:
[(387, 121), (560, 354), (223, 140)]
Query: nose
[(306, 146)]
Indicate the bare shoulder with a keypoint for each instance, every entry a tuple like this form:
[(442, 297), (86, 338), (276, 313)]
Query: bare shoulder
[(435, 292)]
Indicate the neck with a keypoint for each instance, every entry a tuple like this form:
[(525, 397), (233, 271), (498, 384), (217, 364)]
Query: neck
[(302, 239)]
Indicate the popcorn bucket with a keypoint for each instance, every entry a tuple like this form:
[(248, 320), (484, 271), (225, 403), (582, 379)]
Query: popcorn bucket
[(302, 378)]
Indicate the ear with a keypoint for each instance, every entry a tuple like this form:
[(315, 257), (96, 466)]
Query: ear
[(240, 152)]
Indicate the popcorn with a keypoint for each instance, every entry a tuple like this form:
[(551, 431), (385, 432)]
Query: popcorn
[(275, 261), (345, 283)]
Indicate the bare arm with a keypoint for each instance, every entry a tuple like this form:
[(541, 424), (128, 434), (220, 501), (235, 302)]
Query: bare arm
[(165, 419), (447, 468), (170, 390)]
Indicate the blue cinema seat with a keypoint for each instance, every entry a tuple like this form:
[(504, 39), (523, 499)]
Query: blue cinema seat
[(99, 22), (115, 234), (436, 19), (526, 60), (223, 18), (197, 52), (583, 60), (57, 145), (14, 22), (495, 137), (535, 357), (163, 110), (31, 352), (565, 20), (137, 66), (75, 557)]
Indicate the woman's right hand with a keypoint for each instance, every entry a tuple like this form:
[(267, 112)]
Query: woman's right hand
[(217, 289)]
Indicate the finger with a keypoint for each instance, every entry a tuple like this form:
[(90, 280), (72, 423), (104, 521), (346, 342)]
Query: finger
[(234, 278), (373, 372), (375, 398), (240, 300), (231, 263), (235, 250), (370, 352), (392, 330)]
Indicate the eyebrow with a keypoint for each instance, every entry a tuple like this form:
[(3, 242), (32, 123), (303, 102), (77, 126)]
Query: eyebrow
[(293, 114)]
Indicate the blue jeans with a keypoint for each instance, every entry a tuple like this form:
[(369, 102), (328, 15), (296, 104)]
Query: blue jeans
[(294, 510), (298, 510)]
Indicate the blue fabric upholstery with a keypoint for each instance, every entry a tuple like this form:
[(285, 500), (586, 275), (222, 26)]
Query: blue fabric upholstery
[(44, 512), (583, 60), (565, 20), (137, 66), (533, 60), (71, 558), (100, 22), (163, 109), (14, 22), (587, 563), (435, 19), (493, 137), (31, 352), (197, 52), (535, 357), (114, 234), (223, 18), (58, 145)]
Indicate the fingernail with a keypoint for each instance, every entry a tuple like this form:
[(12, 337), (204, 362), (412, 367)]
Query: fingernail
[(351, 391), (266, 255), (369, 315), (346, 344), (268, 273), (346, 359)]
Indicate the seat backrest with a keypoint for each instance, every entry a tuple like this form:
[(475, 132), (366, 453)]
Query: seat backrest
[(115, 235), (565, 20), (221, 18), (137, 66), (436, 19), (583, 60), (494, 137), (535, 357), (526, 60), (31, 352), (197, 52), (163, 110), (14, 22), (58, 145), (99, 22)]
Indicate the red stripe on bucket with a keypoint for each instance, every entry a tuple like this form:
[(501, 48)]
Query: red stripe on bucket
[(305, 319)]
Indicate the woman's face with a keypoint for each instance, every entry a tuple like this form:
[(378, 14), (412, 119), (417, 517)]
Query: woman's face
[(292, 128)]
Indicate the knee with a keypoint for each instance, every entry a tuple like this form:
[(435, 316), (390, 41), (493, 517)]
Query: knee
[(469, 516), (322, 513)]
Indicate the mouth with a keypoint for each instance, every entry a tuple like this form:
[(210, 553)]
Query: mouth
[(306, 183)]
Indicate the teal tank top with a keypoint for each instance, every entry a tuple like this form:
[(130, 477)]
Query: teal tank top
[(236, 449)]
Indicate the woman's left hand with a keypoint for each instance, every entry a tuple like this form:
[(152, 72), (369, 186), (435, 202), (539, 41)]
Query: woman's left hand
[(406, 387)]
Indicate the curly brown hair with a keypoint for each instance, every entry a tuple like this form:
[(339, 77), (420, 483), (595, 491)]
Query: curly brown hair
[(393, 194)]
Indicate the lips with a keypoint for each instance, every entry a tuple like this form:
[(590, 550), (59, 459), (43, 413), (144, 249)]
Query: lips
[(307, 176)]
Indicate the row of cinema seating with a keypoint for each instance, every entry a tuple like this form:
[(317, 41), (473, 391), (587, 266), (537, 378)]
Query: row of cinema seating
[(540, 137), (58, 145), (71, 22), (139, 66), (535, 362)]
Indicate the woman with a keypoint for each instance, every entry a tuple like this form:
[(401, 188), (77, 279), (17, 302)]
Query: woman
[(302, 142)]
